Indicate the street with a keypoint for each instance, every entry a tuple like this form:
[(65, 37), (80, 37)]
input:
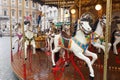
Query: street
[(6, 72)]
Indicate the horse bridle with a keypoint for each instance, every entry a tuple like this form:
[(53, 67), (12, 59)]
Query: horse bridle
[(81, 25), (102, 22)]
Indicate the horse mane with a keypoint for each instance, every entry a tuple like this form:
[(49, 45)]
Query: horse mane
[(95, 25), (74, 29)]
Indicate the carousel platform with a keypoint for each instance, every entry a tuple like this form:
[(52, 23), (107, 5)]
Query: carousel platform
[(40, 68)]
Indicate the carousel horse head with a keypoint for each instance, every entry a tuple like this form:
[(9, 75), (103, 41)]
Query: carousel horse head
[(27, 25), (17, 26), (84, 25), (66, 27), (26, 22), (103, 20)]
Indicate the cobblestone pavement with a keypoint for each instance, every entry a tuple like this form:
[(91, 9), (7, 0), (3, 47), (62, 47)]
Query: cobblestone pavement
[(6, 72)]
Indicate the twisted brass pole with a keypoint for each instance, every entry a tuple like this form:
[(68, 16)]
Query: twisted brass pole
[(108, 16)]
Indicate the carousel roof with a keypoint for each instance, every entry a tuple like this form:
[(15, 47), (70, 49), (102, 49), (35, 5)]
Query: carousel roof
[(68, 3)]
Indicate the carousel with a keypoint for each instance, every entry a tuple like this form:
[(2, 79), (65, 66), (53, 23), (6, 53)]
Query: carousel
[(86, 46)]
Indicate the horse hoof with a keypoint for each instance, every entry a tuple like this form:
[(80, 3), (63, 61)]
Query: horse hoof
[(54, 66), (115, 54), (67, 65), (91, 78), (25, 58)]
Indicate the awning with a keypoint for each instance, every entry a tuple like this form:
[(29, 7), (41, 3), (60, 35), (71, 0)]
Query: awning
[(58, 24)]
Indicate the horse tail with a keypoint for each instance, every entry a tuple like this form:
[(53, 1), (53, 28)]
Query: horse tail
[(95, 25)]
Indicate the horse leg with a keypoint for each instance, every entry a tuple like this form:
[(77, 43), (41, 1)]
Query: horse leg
[(51, 42), (87, 60), (79, 53), (99, 50), (93, 55), (20, 48), (13, 46), (26, 45), (97, 45), (33, 44), (48, 44), (114, 46), (109, 46), (64, 55), (56, 49)]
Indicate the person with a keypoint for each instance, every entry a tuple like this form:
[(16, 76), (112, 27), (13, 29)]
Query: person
[(39, 19)]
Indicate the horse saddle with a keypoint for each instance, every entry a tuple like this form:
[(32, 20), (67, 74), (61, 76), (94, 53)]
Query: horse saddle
[(65, 40), (65, 35)]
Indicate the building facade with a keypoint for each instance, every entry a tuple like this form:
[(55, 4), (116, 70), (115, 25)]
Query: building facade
[(30, 8), (52, 14)]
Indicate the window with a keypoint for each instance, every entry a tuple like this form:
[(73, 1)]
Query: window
[(5, 13), (13, 12), (4, 0), (33, 4), (33, 14), (20, 1), (27, 3), (13, 1), (27, 13), (20, 13)]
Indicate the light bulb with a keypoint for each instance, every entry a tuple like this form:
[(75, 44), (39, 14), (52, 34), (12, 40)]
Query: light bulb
[(98, 7)]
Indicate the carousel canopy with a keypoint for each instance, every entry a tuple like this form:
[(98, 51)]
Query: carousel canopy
[(62, 3)]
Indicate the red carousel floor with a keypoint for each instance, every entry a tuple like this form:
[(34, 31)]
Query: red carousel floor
[(40, 68)]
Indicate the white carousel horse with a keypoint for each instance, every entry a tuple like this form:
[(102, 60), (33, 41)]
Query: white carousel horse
[(116, 36), (19, 37), (77, 44), (50, 38), (117, 40), (98, 35), (29, 39)]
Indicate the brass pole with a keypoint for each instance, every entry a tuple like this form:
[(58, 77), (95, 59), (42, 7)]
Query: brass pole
[(108, 14), (59, 11), (17, 11), (44, 19), (80, 8), (24, 61), (110, 20), (11, 34), (23, 26), (63, 9)]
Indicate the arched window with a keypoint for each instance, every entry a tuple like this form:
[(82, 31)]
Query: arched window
[(13, 12), (20, 13), (5, 12), (20, 1), (27, 3), (33, 14), (33, 4)]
